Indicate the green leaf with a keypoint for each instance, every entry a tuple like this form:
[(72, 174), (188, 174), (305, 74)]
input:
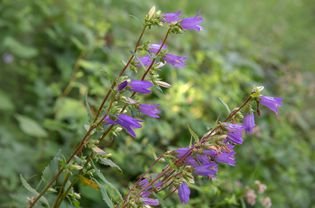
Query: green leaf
[(105, 195), (70, 108), (109, 162), (52, 168), (5, 102), (30, 127), (105, 181), (19, 49), (193, 134), (225, 105), (90, 65), (28, 187)]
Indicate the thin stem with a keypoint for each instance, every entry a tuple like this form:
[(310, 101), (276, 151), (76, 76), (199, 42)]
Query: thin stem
[(88, 160), (65, 193), (92, 127), (120, 74), (61, 190), (168, 170), (153, 61)]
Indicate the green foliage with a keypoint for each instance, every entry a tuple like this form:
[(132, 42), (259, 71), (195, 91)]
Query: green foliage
[(58, 58)]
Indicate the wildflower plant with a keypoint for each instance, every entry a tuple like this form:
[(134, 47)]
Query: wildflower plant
[(122, 111)]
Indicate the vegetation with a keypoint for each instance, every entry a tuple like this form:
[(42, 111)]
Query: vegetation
[(57, 56)]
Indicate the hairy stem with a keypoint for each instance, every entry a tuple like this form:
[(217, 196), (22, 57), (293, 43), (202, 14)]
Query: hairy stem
[(168, 171), (92, 127)]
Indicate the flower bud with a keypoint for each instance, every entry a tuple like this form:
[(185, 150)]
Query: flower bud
[(151, 12)]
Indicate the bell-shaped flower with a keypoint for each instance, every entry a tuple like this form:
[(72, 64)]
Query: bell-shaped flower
[(172, 17), (273, 103), (175, 61), (140, 86), (192, 23), (183, 193), (249, 122), (151, 110)]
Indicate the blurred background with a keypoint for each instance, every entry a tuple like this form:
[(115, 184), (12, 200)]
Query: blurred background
[(56, 53)]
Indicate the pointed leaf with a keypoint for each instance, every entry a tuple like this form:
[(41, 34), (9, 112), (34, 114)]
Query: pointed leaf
[(31, 127), (225, 105), (105, 196), (109, 162), (33, 191), (193, 134)]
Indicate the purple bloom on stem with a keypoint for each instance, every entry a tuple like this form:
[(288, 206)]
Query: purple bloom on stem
[(191, 161), (144, 183), (183, 193), (192, 23), (154, 48), (128, 123), (140, 86), (209, 170), (144, 61), (273, 103), (145, 193), (171, 17), (150, 110), (226, 157), (249, 122), (203, 159), (182, 151), (150, 201), (210, 152), (158, 184), (108, 120), (235, 133), (122, 85), (174, 60)]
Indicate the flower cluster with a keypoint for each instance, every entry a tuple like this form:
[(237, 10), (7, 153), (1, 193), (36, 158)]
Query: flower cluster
[(202, 158), (156, 57), (176, 61), (189, 23)]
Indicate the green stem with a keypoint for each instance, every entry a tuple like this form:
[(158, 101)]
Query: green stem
[(168, 170), (92, 127), (61, 190)]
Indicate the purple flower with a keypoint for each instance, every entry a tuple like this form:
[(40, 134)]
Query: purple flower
[(174, 60), (191, 161), (183, 193), (249, 122), (210, 152), (182, 151), (209, 170), (150, 201), (192, 23), (171, 17), (122, 85), (273, 103), (203, 159), (154, 48), (144, 61), (144, 183), (150, 110), (128, 123), (226, 157), (234, 133), (140, 86)]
